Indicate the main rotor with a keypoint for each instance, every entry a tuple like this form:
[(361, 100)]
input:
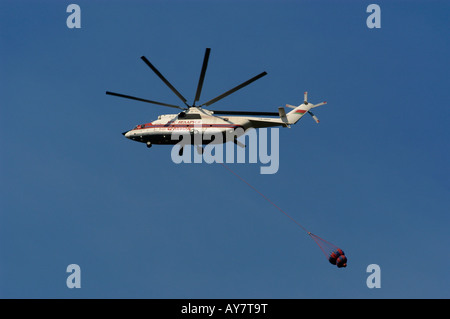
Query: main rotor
[(198, 91)]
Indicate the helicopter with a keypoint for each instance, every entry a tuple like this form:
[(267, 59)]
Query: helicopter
[(198, 121)]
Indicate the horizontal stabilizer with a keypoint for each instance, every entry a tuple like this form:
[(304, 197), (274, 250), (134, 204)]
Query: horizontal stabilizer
[(283, 116)]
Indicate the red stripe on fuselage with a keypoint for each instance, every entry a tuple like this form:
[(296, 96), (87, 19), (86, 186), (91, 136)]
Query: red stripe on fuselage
[(188, 125)]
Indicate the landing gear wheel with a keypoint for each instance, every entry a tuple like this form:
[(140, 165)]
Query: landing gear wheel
[(149, 144)]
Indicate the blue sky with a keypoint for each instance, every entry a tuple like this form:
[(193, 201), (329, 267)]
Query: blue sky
[(372, 178)]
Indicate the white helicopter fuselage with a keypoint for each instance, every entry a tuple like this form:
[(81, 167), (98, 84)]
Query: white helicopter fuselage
[(168, 128)]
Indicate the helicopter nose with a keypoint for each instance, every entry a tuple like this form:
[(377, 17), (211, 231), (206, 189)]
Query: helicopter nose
[(126, 134)]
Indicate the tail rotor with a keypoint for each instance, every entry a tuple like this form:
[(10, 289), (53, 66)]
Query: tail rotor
[(313, 106)]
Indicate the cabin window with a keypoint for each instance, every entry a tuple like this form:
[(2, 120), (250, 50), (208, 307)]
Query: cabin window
[(192, 117)]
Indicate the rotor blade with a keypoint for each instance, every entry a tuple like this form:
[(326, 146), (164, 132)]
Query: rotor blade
[(316, 105), (142, 100), (202, 75), (164, 79), (314, 117), (244, 113), (240, 86)]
